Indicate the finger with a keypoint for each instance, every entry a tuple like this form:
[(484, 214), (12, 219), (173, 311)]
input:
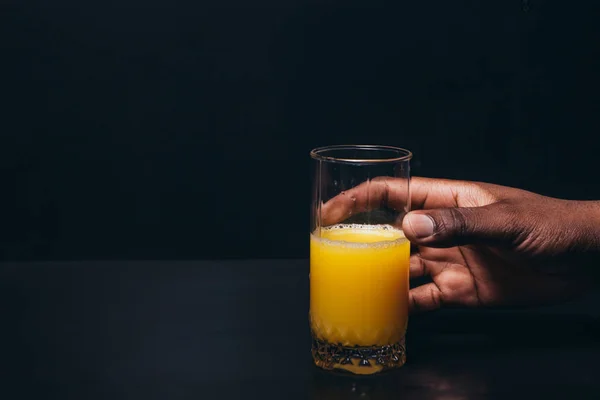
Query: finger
[(424, 298), (367, 196), (418, 267), (392, 193), (457, 226)]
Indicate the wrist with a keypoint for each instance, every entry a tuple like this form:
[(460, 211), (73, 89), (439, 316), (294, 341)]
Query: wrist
[(586, 226)]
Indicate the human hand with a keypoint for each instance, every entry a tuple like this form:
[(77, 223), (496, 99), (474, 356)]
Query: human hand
[(483, 244)]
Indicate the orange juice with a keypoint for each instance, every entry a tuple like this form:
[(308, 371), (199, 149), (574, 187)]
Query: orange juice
[(359, 281)]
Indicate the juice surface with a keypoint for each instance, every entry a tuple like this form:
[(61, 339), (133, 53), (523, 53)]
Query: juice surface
[(359, 280)]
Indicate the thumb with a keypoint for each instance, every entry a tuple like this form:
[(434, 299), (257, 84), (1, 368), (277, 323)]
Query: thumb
[(447, 227)]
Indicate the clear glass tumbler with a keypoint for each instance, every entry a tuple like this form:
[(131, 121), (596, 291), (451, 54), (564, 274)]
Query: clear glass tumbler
[(359, 257)]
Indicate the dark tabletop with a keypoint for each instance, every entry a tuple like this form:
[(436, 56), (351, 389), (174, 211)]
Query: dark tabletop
[(238, 329)]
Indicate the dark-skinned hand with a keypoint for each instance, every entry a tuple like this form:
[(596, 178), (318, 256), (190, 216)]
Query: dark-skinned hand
[(485, 245)]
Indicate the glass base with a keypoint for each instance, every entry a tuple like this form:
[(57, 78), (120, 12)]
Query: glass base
[(358, 360)]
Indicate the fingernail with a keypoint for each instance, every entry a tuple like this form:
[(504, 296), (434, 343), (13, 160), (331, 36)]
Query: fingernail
[(421, 225)]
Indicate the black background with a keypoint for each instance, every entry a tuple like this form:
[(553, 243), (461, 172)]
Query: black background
[(179, 129)]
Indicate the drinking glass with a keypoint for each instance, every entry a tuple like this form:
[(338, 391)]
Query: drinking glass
[(359, 257)]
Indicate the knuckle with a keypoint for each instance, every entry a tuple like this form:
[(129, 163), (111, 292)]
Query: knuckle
[(436, 298), (415, 306), (478, 194), (454, 222)]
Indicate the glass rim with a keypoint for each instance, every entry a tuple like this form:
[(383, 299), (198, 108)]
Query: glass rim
[(403, 154)]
